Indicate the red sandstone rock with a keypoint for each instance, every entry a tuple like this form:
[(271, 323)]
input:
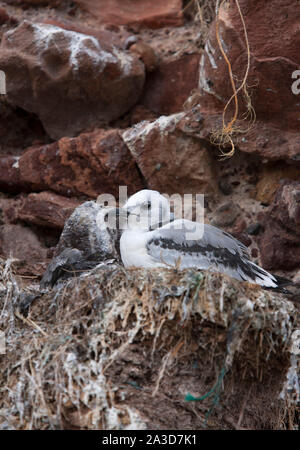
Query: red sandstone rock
[(107, 38), (67, 78), (21, 243), (167, 88), (269, 142), (140, 113), (6, 18), (135, 12), (226, 215), (43, 209), (33, 2), (18, 130), (280, 242), (254, 252), (171, 161), (274, 39), (270, 178), (10, 175), (91, 164), (239, 226), (243, 237), (147, 54)]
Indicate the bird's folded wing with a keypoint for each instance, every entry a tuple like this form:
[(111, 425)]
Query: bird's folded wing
[(215, 250)]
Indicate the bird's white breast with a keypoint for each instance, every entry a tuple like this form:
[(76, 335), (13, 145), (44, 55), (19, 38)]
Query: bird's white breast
[(133, 248)]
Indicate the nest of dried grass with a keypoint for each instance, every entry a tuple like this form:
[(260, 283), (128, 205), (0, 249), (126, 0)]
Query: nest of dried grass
[(116, 349)]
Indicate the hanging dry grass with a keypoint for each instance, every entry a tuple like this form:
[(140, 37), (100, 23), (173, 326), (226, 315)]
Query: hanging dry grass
[(224, 137)]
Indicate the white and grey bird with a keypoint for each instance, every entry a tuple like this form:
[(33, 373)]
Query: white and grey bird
[(162, 242)]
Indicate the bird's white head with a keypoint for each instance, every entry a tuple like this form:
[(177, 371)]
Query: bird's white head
[(147, 210)]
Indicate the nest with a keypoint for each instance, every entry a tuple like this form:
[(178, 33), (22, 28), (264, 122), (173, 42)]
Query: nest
[(121, 349)]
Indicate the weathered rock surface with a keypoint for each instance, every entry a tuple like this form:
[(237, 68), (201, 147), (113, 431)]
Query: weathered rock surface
[(271, 143), (33, 2), (10, 180), (170, 160), (107, 37), (238, 231), (91, 164), (135, 12), (67, 78), (6, 18), (42, 209), (168, 87), (226, 215), (146, 53), (274, 39), (270, 178), (18, 129), (21, 243), (280, 242)]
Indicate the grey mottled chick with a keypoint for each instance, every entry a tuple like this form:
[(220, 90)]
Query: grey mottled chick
[(85, 242)]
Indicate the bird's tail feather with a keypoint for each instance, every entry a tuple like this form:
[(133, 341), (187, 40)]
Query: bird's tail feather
[(281, 283), (270, 281)]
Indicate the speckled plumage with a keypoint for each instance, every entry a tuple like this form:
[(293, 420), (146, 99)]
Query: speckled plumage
[(84, 243)]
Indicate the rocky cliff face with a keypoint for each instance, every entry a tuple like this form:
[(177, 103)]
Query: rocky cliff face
[(131, 93)]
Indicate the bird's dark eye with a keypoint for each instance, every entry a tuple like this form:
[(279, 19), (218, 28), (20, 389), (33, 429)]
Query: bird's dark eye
[(148, 205)]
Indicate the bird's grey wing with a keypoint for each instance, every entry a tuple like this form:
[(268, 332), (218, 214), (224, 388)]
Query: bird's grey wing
[(216, 250), (69, 263), (58, 264), (221, 239)]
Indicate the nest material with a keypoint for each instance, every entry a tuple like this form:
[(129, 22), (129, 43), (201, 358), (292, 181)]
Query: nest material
[(116, 349)]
